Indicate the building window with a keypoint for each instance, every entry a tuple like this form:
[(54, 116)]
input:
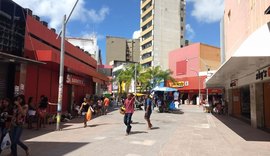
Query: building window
[(147, 45), (181, 67), (229, 15), (146, 65), (147, 6), (182, 28), (147, 16), (182, 36), (182, 9), (147, 35), (182, 19), (149, 24), (146, 55)]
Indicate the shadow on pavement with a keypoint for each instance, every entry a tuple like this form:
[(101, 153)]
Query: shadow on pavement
[(243, 129), (55, 148), (154, 128), (137, 123), (137, 132)]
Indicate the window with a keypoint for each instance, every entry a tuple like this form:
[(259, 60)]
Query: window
[(146, 36), (182, 28), (146, 55), (147, 16), (181, 67), (182, 19), (149, 24), (147, 6), (146, 65), (147, 45)]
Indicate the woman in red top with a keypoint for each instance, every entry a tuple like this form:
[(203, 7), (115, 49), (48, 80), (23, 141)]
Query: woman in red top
[(129, 106)]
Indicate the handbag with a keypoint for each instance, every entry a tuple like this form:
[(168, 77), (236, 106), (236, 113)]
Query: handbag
[(88, 115), (122, 110), (6, 143)]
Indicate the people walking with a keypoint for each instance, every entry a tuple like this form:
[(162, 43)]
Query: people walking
[(42, 111), (129, 110), (83, 110), (31, 112), (19, 113), (106, 104), (5, 118), (148, 110)]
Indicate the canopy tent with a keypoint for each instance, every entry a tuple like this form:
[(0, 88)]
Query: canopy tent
[(164, 89)]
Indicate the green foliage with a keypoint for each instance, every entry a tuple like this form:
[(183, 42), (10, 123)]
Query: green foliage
[(147, 78)]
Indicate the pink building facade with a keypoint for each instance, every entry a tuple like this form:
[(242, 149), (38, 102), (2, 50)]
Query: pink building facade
[(190, 66)]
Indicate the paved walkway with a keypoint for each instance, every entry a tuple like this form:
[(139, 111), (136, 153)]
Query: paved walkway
[(190, 133)]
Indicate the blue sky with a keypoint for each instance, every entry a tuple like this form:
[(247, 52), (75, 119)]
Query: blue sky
[(121, 18)]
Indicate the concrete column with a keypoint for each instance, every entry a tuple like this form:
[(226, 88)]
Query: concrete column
[(229, 99), (259, 105), (256, 105)]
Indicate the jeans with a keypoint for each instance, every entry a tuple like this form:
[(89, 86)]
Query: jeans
[(127, 121), (15, 139)]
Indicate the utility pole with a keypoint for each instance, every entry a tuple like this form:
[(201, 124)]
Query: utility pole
[(135, 79), (61, 74)]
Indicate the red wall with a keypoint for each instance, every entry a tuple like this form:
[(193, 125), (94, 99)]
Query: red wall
[(41, 80)]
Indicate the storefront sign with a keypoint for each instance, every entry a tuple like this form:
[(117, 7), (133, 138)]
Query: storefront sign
[(179, 84), (75, 80), (262, 74), (233, 83)]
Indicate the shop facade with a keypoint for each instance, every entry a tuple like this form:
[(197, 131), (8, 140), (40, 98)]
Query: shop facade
[(245, 73), (191, 66), (35, 69)]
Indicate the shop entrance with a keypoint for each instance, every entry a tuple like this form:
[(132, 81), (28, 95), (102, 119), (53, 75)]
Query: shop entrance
[(245, 101), (266, 92)]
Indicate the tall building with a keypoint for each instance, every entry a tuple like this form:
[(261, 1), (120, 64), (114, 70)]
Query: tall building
[(122, 49), (245, 72), (162, 30)]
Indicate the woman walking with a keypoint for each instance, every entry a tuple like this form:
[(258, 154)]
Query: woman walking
[(129, 110), (83, 109), (19, 113)]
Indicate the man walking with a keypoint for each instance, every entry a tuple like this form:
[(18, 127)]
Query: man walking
[(129, 106), (148, 110)]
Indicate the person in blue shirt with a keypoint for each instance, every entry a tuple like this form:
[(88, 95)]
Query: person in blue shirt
[(148, 110)]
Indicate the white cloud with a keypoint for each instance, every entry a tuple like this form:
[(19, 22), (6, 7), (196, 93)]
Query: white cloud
[(207, 11), (54, 11), (91, 34), (136, 34), (190, 32)]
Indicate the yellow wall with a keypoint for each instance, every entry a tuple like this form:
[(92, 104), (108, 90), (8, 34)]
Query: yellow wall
[(210, 56)]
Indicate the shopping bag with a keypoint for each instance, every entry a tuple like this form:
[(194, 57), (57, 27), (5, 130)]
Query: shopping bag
[(122, 110), (88, 115), (6, 143)]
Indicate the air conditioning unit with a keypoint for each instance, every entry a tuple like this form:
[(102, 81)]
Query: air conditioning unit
[(36, 17), (44, 23)]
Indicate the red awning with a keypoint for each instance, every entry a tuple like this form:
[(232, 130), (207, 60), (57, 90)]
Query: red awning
[(72, 63)]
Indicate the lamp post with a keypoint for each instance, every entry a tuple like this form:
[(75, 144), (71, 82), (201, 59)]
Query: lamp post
[(61, 74), (199, 84)]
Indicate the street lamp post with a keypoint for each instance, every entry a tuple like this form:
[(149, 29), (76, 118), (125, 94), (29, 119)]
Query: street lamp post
[(199, 84), (61, 74)]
